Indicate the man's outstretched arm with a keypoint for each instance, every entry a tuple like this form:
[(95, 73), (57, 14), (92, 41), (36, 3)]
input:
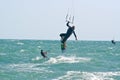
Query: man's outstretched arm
[(68, 24), (75, 35)]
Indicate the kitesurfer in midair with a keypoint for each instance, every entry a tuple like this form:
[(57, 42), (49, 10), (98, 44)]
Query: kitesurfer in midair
[(65, 36), (70, 30)]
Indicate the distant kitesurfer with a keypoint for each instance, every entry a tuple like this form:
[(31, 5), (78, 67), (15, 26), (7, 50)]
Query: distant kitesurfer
[(43, 54), (113, 42), (65, 36)]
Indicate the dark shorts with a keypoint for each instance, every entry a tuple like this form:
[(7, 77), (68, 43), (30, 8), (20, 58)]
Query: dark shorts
[(62, 34)]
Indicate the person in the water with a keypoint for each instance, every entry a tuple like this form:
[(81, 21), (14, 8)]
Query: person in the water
[(43, 54)]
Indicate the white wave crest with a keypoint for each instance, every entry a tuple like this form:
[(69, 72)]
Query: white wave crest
[(63, 59), (77, 75), (36, 58), (22, 50), (2, 54), (29, 67), (20, 43)]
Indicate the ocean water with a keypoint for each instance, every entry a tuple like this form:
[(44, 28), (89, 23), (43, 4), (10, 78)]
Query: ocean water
[(83, 60)]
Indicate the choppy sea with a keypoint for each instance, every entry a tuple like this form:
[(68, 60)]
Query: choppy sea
[(82, 60)]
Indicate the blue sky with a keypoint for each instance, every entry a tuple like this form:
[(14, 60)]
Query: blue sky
[(45, 19)]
